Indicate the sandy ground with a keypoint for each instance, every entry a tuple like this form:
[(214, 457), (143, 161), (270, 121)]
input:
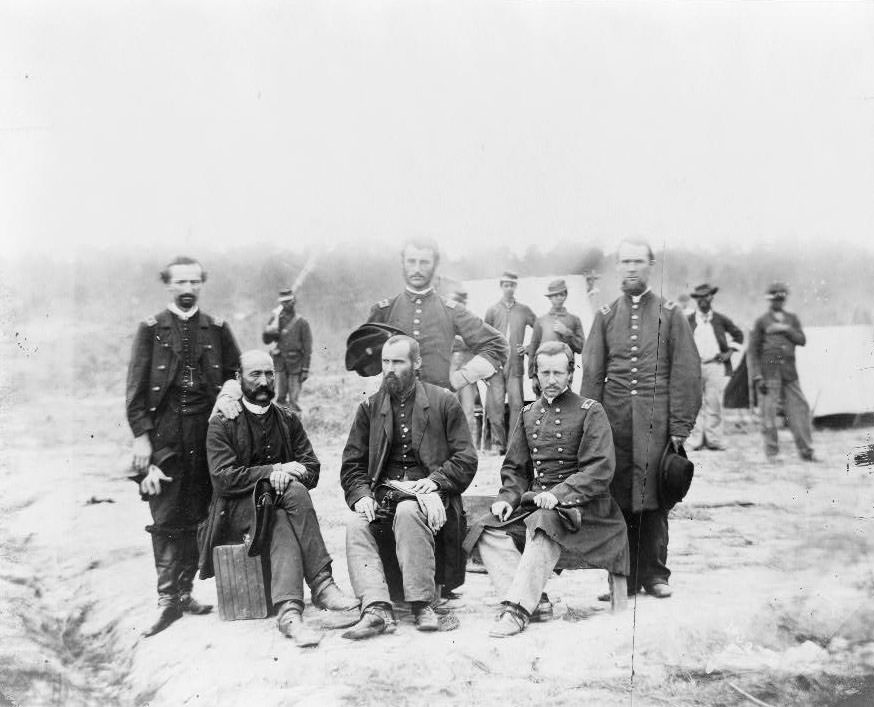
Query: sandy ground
[(772, 578)]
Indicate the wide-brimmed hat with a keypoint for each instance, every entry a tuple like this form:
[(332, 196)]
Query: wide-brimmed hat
[(675, 476), (364, 347), (509, 276), (286, 295), (556, 287), (777, 290), (705, 290)]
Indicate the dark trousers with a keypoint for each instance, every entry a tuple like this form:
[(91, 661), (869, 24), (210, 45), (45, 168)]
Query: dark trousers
[(648, 548), (297, 549)]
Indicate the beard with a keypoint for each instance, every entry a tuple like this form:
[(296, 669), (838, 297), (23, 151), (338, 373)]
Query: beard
[(185, 302), (633, 287), (259, 394), (397, 385)]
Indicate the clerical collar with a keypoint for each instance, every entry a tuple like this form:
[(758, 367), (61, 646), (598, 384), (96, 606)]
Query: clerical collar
[(184, 316), (253, 408), (420, 293), (636, 298), (551, 401)]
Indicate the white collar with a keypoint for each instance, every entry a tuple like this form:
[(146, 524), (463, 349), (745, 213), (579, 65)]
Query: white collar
[(184, 316), (420, 293), (636, 298), (255, 409), (704, 318)]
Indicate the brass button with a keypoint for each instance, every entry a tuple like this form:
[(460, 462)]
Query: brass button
[(558, 434), (634, 392)]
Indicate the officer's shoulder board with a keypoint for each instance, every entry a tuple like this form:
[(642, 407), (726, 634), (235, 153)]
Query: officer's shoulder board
[(526, 408), (383, 303), (587, 403), (451, 303), (670, 304), (150, 321), (604, 309)]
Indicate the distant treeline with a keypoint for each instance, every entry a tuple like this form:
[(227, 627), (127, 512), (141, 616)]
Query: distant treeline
[(110, 291)]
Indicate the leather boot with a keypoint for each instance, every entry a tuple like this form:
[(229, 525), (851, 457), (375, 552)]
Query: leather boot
[(512, 620), (187, 567), (376, 618), (168, 612), (291, 624), (327, 595), (165, 551)]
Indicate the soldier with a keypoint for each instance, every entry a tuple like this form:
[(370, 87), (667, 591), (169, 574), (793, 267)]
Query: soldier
[(291, 345), (510, 318), (772, 367), (710, 329), (467, 394), (641, 364), (180, 358), (557, 325), (434, 322), (562, 456)]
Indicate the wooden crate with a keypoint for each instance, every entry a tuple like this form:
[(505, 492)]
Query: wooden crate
[(239, 582)]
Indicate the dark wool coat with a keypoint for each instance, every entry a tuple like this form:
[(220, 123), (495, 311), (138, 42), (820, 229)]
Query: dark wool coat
[(641, 363), (772, 354), (722, 328)]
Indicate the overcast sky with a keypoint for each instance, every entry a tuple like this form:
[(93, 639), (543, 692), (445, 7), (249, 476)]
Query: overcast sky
[(177, 124)]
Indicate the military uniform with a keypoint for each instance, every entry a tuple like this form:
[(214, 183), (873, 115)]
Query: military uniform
[(640, 361), (176, 369), (292, 353), (772, 357), (434, 322)]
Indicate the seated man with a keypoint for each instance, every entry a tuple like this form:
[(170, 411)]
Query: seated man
[(561, 457), (267, 441), (415, 435)]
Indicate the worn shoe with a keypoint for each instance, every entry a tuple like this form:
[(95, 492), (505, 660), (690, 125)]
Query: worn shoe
[(189, 605), (512, 620), (291, 625), (659, 590), (426, 618), (331, 598), (167, 614), (543, 611), (374, 621)]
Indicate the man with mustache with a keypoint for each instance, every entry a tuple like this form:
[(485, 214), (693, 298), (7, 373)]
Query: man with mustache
[(641, 363), (414, 434), (180, 359), (561, 455), (435, 321), (772, 367), (268, 441)]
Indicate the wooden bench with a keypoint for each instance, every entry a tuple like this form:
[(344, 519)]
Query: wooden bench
[(476, 506)]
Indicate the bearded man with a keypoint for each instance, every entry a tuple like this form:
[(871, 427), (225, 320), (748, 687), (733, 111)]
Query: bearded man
[(268, 441), (180, 359), (641, 363), (414, 435)]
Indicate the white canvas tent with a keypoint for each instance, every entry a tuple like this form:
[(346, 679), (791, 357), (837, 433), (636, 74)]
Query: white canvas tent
[(836, 368)]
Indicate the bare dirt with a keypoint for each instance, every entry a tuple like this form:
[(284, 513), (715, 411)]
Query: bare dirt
[(772, 583)]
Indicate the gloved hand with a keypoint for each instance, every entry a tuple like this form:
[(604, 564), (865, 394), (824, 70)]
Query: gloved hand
[(228, 401), (151, 485), (432, 506), (545, 499), (501, 510)]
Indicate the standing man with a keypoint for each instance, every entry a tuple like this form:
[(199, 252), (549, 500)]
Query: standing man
[(772, 367), (510, 318), (709, 329), (413, 434), (467, 394), (556, 325), (291, 345), (641, 364), (267, 443), (434, 322), (180, 359), (561, 457)]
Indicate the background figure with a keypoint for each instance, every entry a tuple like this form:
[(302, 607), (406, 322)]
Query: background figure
[(709, 329), (556, 325), (291, 345), (179, 360), (641, 364), (467, 394), (772, 367), (510, 318)]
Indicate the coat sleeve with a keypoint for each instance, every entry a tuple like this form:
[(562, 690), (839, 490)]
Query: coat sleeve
[(536, 336), (455, 474), (796, 333), (354, 467), (138, 372), (596, 461), (482, 339), (595, 361), (302, 452), (754, 350), (230, 353), (733, 331), (684, 396), (229, 476), (517, 471), (306, 344), (577, 338)]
